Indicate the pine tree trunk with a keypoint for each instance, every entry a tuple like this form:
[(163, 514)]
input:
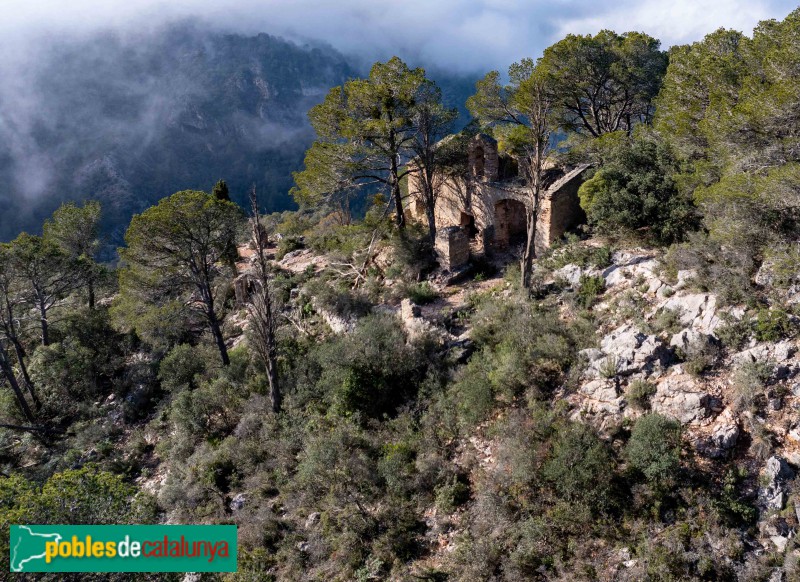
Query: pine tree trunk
[(24, 369), (91, 294), (431, 224), (8, 372), (45, 326), (530, 250), (397, 196)]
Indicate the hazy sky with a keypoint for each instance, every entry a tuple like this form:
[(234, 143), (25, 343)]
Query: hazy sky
[(472, 35)]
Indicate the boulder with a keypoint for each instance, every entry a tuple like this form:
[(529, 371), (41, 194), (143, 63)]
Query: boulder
[(680, 397), (775, 476), (723, 438), (312, 520), (238, 502), (690, 340), (696, 310), (569, 273), (632, 351), (601, 397)]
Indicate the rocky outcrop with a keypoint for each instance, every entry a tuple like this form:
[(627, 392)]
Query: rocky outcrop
[(775, 479), (690, 341), (723, 438), (680, 397), (697, 311), (626, 351)]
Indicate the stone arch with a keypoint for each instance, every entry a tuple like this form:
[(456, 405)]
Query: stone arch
[(510, 222), (483, 158)]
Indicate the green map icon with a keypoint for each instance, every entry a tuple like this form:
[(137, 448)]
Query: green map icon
[(29, 546)]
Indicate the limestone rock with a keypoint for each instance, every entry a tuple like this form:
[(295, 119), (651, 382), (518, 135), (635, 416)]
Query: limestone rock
[(688, 340), (601, 397), (312, 520), (776, 473), (632, 351), (696, 310), (679, 397), (238, 502), (724, 436), (569, 273)]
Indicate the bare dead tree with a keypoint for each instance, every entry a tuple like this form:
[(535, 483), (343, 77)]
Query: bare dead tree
[(537, 104), (262, 317)]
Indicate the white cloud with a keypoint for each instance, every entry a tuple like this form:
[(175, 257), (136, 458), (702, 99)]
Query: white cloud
[(462, 34)]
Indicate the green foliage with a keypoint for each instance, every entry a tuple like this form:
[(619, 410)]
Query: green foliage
[(654, 449), (580, 466), (84, 496), (451, 494), (182, 367), (749, 380), (363, 127), (422, 293), (606, 82), (220, 191), (734, 333), (634, 192), (589, 288), (572, 252), (771, 325), (288, 244), (638, 393), (177, 248)]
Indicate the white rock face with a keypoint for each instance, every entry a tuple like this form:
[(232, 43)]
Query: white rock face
[(776, 473), (697, 311), (689, 339), (631, 350), (601, 397), (629, 267), (779, 353), (724, 436), (681, 398), (569, 273)]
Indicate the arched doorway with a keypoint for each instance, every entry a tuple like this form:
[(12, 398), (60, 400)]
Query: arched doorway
[(467, 222), (510, 224), (480, 160)]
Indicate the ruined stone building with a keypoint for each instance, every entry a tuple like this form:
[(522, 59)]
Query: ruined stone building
[(487, 210)]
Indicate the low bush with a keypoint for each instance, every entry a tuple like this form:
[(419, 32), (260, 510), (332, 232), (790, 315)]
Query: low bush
[(589, 288)]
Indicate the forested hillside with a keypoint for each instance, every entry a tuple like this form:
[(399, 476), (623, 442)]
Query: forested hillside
[(620, 406)]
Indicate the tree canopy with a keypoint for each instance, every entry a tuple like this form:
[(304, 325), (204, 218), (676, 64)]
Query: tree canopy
[(175, 255), (604, 82), (365, 130)]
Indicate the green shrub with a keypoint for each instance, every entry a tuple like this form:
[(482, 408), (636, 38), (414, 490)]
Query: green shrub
[(451, 494), (635, 193), (572, 252), (734, 333), (638, 393), (666, 321), (771, 325), (287, 245), (181, 367), (422, 293), (749, 381), (654, 448), (589, 288), (580, 466)]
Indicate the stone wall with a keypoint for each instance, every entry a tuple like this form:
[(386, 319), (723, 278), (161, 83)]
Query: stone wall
[(560, 209), (452, 247), (484, 161)]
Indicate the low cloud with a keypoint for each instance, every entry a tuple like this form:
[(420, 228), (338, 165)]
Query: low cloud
[(464, 35)]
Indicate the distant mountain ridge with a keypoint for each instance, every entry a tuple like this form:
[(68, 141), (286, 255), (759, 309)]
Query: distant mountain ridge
[(128, 121)]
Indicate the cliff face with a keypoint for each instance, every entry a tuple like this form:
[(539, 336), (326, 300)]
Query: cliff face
[(128, 121)]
